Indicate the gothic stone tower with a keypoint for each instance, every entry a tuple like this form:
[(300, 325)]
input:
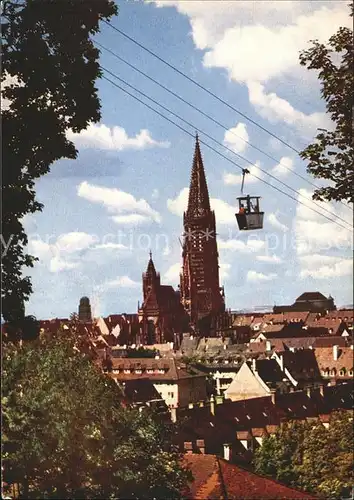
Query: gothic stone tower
[(161, 315), (201, 294)]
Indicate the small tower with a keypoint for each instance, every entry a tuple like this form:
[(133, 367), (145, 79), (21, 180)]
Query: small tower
[(85, 314), (151, 279)]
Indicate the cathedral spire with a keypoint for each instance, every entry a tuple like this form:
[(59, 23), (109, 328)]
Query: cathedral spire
[(198, 202)]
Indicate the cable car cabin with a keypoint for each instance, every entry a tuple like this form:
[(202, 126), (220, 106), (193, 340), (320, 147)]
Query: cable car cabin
[(249, 215)]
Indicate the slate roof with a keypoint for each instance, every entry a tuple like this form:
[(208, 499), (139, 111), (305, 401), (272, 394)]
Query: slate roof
[(311, 296), (302, 365), (140, 391), (215, 478), (269, 371)]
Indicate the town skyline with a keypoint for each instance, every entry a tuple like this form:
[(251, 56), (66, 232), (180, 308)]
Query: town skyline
[(94, 197)]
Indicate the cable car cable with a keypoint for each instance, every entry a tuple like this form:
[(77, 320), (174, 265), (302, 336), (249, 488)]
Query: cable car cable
[(200, 111), (205, 114), (214, 140), (200, 86)]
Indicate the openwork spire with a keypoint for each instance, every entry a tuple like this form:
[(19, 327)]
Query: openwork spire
[(198, 202), (151, 267)]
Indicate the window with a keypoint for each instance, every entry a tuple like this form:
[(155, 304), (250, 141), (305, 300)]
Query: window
[(138, 371), (126, 371)]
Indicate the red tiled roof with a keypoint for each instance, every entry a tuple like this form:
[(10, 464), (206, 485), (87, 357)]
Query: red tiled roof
[(325, 358), (335, 325), (215, 478), (172, 370)]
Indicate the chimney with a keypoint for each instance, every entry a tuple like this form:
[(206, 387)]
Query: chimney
[(201, 446), (308, 392), (335, 353), (173, 412), (268, 345), (254, 367), (292, 389), (226, 451), (212, 405), (188, 447), (322, 390), (281, 362), (273, 396), (201, 404)]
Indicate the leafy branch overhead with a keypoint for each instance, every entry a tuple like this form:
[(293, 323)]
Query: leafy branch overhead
[(50, 66), (331, 156)]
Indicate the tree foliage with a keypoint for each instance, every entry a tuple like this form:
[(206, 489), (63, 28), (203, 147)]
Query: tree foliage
[(331, 156), (313, 458), (49, 69), (66, 435)]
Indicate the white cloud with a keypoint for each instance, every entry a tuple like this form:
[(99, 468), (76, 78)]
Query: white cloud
[(251, 245), (178, 205), (172, 273), (314, 233), (236, 179), (130, 219), (258, 46), (276, 109), (284, 167), (121, 281), (110, 246), (119, 203), (224, 213), (271, 259), (113, 138), (324, 266), (254, 276), (65, 251), (224, 271), (74, 242), (57, 265), (236, 138), (273, 220)]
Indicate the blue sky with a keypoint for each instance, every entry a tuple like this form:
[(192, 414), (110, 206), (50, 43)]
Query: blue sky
[(127, 190)]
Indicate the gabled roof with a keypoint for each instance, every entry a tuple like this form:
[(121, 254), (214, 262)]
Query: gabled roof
[(215, 478)]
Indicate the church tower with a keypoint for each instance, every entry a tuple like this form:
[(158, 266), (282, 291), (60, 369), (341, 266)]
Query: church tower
[(85, 314), (201, 294)]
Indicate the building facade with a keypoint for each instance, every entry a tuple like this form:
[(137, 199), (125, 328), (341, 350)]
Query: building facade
[(161, 315)]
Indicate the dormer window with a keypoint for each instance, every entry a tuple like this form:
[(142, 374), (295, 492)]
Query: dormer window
[(126, 370), (138, 372), (150, 371)]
